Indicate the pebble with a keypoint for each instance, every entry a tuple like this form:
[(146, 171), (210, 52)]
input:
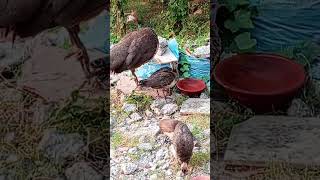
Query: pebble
[(149, 114), (129, 108), (169, 109), (129, 168), (145, 146), (135, 117), (154, 177)]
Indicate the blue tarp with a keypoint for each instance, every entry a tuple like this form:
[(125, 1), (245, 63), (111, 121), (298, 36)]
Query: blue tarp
[(283, 23), (199, 68)]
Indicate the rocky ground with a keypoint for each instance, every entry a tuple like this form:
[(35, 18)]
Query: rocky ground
[(138, 152)]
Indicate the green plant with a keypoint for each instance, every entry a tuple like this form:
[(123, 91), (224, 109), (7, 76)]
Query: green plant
[(178, 11), (185, 66), (237, 26), (142, 101), (304, 52)]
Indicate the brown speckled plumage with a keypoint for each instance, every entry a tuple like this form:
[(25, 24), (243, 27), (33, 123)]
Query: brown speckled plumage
[(162, 78), (182, 140), (135, 49)]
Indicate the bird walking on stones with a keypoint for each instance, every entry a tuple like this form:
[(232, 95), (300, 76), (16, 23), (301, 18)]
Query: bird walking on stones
[(134, 49), (182, 141), (164, 78), (30, 17)]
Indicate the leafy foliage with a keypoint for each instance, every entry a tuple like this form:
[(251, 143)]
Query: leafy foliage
[(184, 66), (237, 25), (304, 52), (142, 101)]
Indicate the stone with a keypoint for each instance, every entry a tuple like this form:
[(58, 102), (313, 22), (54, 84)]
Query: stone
[(157, 104), (265, 139), (82, 171), (195, 106), (135, 117), (129, 108), (112, 121), (160, 155), (150, 131), (149, 114), (154, 177), (58, 146), (126, 85), (129, 168), (299, 108), (132, 150), (145, 146), (169, 109), (202, 52)]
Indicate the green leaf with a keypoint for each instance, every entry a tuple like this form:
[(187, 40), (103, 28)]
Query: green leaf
[(186, 74), (243, 19), (244, 41), (231, 25)]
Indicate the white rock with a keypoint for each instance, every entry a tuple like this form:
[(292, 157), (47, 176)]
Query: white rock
[(169, 109), (145, 146), (135, 117), (59, 146), (132, 150), (129, 168), (149, 114), (154, 177), (129, 107)]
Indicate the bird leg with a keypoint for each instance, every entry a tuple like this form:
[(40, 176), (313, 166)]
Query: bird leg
[(135, 76), (81, 54)]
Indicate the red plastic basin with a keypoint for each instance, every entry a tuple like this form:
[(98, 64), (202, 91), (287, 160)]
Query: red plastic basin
[(191, 86), (260, 81)]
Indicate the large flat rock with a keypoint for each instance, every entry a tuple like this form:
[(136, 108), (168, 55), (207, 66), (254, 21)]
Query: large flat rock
[(195, 106), (265, 139), (51, 77)]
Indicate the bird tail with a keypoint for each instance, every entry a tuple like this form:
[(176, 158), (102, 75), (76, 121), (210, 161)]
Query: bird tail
[(168, 125)]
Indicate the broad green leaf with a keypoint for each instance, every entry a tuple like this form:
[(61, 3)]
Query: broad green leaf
[(243, 19), (186, 74), (231, 25), (244, 41)]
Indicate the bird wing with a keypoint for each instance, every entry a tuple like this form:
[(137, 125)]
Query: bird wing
[(160, 80), (141, 50)]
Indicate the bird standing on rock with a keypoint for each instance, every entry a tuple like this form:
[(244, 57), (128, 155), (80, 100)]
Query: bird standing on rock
[(134, 49), (28, 18), (182, 141), (164, 78)]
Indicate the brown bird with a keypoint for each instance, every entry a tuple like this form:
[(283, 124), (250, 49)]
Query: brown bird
[(28, 18), (134, 50), (182, 141), (164, 78)]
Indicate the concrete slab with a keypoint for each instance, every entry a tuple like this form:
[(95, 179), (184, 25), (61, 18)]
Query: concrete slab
[(195, 106), (265, 139)]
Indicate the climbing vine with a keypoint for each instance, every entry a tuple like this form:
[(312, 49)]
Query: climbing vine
[(236, 26), (184, 66)]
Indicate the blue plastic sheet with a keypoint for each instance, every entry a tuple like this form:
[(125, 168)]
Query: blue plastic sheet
[(283, 23), (199, 68)]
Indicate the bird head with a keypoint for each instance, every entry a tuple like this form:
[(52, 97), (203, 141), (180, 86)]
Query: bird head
[(184, 167)]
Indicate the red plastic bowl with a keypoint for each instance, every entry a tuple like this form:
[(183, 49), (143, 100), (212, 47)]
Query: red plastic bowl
[(260, 81), (190, 86)]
